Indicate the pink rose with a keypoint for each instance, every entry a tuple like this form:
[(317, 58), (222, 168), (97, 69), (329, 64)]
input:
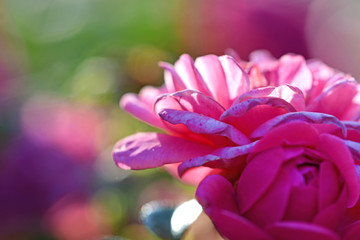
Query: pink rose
[(298, 182), (215, 103)]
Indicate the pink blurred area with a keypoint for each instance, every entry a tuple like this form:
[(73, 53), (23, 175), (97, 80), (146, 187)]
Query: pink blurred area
[(74, 128), (323, 29)]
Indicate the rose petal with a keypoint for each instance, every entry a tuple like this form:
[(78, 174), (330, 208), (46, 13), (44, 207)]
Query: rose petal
[(271, 206), (249, 114), (335, 100), (217, 197), (226, 157), (204, 125), (149, 150), (340, 155), (216, 192), (309, 117), (258, 175), (132, 104), (189, 75), (237, 80), (331, 215), (300, 231), (353, 231), (329, 185), (213, 75), (233, 226), (192, 101), (292, 133), (354, 149), (173, 81), (293, 70)]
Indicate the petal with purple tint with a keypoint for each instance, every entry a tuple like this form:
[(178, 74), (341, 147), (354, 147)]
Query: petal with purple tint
[(336, 99), (354, 148), (337, 151), (213, 75), (300, 231), (203, 125), (149, 150), (309, 117), (221, 158)]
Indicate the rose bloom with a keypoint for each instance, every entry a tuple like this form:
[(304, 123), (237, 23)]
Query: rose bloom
[(299, 182), (214, 104)]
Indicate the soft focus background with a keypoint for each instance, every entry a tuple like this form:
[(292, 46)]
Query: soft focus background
[(64, 65)]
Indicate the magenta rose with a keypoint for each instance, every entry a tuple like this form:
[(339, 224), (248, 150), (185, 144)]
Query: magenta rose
[(298, 182), (215, 103)]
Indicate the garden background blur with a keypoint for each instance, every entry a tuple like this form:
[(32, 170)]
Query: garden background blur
[(64, 64)]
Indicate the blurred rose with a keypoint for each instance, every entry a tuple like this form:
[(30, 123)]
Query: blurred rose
[(299, 182), (244, 25), (212, 106)]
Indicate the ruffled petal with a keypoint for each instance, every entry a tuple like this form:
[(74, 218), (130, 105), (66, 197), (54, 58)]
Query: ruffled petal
[(149, 150), (300, 231)]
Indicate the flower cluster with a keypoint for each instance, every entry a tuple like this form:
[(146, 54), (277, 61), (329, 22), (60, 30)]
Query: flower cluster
[(272, 142)]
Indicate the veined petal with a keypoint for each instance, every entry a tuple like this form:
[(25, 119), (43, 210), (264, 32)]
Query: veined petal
[(203, 125), (309, 117), (192, 101), (226, 157), (149, 150)]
